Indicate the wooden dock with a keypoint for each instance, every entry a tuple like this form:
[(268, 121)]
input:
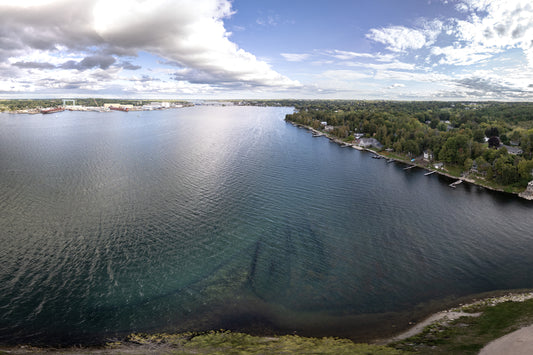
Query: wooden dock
[(409, 167), (429, 173), (454, 184)]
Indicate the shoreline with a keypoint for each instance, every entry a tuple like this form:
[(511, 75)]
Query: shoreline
[(156, 343), (448, 315), (399, 160)]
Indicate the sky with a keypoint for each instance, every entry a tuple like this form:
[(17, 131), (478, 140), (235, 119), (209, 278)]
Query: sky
[(249, 49)]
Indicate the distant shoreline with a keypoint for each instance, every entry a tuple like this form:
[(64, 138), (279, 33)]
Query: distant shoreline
[(395, 159)]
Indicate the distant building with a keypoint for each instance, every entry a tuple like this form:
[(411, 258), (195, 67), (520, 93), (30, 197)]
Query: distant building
[(428, 155), (438, 165), (129, 107)]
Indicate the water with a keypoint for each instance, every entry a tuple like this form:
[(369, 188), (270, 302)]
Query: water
[(227, 217)]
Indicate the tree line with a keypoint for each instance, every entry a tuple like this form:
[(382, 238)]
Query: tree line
[(460, 134)]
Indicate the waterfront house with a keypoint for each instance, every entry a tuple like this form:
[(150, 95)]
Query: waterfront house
[(438, 165), (428, 155), (513, 150), (370, 142)]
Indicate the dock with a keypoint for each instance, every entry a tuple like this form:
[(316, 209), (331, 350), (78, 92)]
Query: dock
[(429, 173), (454, 184), (409, 167)]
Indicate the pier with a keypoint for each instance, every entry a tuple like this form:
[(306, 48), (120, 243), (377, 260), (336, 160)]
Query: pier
[(429, 173), (409, 167), (454, 184)]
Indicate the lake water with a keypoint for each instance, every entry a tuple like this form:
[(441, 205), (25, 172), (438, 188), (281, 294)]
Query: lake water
[(228, 217)]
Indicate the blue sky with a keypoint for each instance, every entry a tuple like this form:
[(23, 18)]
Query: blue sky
[(381, 49)]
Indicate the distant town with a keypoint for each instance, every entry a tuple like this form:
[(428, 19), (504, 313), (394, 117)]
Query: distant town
[(99, 105)]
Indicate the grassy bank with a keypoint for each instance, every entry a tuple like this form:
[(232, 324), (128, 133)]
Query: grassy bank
[(469, 334), (489, 319), (219, 342)]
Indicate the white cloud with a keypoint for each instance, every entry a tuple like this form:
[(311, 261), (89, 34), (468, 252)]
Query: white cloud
[(396, 85), (497, 25), (295, 57), (346, 55), (456, 55), (411, 76), (189, 32), (383, 66), (398, 38)]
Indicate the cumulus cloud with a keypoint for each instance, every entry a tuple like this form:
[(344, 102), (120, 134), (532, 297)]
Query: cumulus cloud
[(34, 65), (189, 32), (486, 85), (493, 26), (94, 61), (129, 66), (402, 39), (398, 38), (458, 55)]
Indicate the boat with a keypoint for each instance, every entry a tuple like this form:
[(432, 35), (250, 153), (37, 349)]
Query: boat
[(118, 108), (52, 110)]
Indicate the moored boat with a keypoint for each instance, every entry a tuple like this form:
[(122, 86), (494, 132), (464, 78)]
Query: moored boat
[(52, 110), (118, 108)]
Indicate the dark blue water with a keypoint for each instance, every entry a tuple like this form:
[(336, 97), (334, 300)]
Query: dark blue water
[(228, 217)]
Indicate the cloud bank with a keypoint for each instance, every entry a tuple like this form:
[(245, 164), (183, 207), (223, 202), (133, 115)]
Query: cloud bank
[(103, 34)]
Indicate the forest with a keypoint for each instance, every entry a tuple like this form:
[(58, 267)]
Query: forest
[(491, 141)]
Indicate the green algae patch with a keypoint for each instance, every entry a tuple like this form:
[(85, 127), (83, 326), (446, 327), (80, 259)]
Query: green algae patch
[(225, 342)]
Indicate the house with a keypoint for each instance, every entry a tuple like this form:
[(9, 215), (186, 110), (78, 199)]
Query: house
[(428, 155), (370, 142), (473, 169), (438, 165), (358, 135), (513, 150), (323, 123)]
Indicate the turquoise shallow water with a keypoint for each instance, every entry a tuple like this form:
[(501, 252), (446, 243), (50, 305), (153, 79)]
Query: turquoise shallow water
[(228, 217)]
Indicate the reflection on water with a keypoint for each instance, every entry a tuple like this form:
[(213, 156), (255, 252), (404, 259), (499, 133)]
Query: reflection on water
[(227, 217)]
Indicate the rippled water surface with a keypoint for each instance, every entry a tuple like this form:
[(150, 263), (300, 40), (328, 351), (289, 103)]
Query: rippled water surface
[(227, 217)]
